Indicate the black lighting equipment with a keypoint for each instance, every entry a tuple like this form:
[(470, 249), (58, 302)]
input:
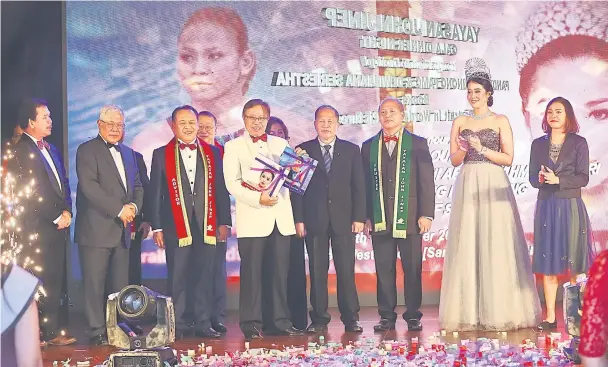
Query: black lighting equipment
[(132, 308), (159, 357)]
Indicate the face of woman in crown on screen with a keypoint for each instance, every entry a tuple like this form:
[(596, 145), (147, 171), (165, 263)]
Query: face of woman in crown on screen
[(584, 81), (210, 66)]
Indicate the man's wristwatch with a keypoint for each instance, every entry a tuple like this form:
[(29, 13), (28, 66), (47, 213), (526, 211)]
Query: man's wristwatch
[(483, 149)]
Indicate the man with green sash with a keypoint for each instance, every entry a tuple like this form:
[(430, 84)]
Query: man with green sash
[(400, 192)]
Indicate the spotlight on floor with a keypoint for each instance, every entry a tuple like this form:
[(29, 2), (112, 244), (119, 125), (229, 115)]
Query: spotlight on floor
[(132, 308)]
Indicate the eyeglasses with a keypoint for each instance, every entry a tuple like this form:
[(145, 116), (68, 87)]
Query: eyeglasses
[(256, 119), (114, 125)]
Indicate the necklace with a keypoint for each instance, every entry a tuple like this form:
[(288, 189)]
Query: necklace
[(481, 117)]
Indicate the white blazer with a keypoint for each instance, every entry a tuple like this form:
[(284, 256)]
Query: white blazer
[(252, 218)]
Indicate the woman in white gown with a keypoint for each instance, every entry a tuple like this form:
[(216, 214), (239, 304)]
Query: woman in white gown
[(488, 282)]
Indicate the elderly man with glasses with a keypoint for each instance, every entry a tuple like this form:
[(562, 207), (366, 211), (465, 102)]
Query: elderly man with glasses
[(110, 194)]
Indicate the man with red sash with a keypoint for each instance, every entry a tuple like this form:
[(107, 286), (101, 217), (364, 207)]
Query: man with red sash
[(400, 208), (206, 131), (190, 214)]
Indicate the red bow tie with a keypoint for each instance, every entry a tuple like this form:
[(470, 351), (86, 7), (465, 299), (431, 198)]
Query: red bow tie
[(183, 146), (262, 137), (42, 144), (391, 138)]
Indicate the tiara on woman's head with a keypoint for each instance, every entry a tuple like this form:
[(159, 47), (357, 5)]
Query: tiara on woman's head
[(476, 68), (559, 19)]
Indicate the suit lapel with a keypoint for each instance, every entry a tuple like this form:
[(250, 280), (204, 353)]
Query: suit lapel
[(127, 164), (544, 152), (336, 159), (385, 155), (110, 160), (564, 152), (200, 174), (45, 164), (58, 166)]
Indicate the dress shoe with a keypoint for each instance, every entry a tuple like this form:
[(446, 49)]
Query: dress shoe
[(414, 325), (98, 340), (62, 340), (288, 332), (316, 329), (546, 325), (250, 335), (207, 333), (219, 327), (384, 325), (353, 327)]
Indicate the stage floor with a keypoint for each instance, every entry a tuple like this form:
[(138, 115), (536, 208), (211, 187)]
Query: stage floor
[(233, 340)]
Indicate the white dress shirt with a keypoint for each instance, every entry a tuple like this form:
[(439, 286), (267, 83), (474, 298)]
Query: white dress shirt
[(47, 155), (189, 159)]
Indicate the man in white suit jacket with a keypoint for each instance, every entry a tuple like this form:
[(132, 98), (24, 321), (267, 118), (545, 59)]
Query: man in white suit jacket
[(261, 221)]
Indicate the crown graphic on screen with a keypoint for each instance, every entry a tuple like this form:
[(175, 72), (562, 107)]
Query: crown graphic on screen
[(476, 68), (560, 19)]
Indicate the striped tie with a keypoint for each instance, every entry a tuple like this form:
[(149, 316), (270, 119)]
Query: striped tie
[(327, 158)]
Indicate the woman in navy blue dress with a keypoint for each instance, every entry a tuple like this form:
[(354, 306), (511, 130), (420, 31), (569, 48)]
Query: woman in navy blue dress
[(559, 168)]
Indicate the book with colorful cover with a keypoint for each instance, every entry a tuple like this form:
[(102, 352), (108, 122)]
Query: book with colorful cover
[(265, 175), (301, 169)]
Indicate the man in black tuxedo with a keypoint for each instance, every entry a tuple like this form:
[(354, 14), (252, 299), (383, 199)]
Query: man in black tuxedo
[(110, 195), (398, 218), (50, 217), (189, 217), (332, 210)]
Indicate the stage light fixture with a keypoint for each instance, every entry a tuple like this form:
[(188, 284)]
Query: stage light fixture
[(133, 307)]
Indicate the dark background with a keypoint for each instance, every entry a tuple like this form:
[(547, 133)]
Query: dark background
[(33, 63)]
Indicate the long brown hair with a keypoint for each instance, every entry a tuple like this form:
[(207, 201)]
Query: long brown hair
[(571, 122)]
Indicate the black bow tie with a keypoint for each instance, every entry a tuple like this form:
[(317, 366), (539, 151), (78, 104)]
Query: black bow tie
[(115, 146)]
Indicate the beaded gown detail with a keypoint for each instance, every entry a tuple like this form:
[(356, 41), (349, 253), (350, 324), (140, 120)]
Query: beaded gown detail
[(487, 282)]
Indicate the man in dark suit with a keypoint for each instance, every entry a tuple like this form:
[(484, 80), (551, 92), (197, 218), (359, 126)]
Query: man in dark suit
[(110, 195), (206, 131), (190, 214), (400, 193), (142, 224), (50, 217), (332, 210)]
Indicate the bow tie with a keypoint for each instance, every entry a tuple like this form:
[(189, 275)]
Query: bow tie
[(115, 146), (262, 137), (42, 144), (183, 146), (390, 138)]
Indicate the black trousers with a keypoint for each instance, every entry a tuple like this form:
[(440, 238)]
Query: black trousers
[(97, 264), (218, 300), (296, 286), (191, 270), (52, 258), (217, 303), (343, 249), (296, 280), (252, 252), (135, 260), (385, 258)]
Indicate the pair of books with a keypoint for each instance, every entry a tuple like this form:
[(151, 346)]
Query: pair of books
[(292, 171)]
